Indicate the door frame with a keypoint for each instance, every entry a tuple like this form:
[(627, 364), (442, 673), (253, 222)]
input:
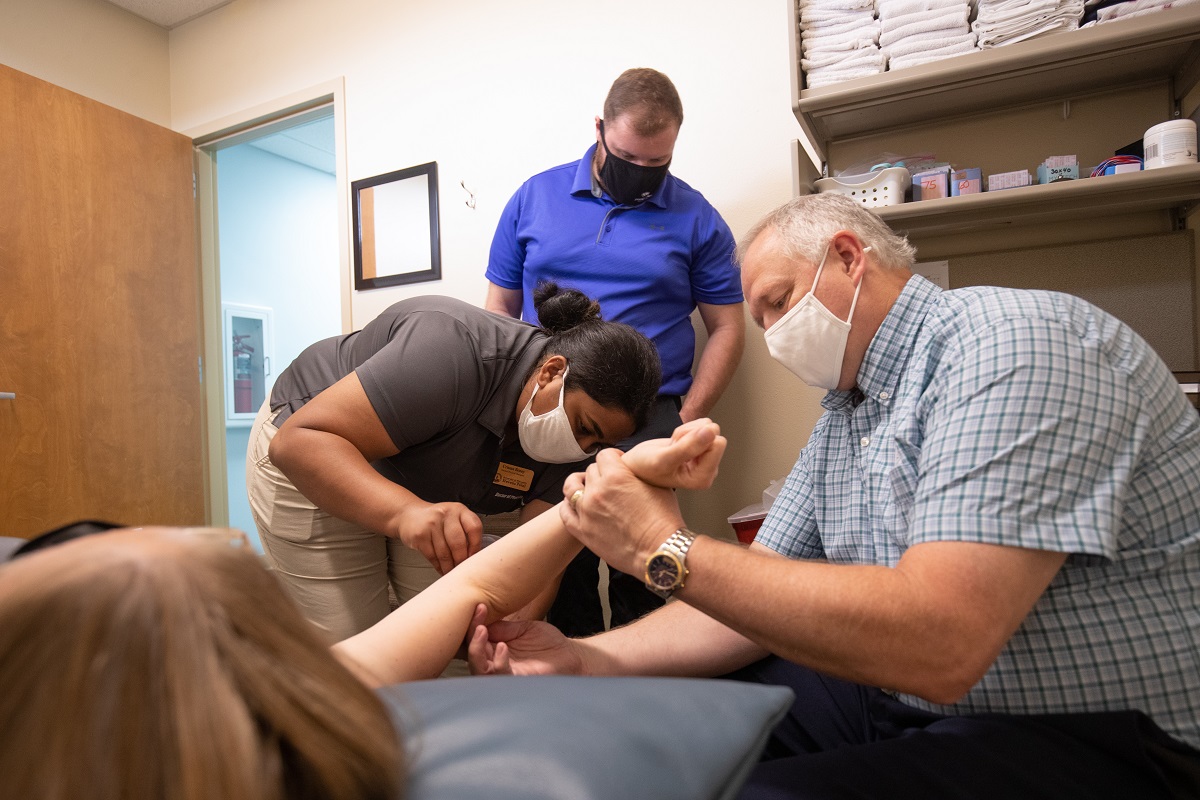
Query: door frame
[(207, 139)]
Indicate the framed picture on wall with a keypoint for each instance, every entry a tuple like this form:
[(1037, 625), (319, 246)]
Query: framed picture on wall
[(396, 239), (248, 351)]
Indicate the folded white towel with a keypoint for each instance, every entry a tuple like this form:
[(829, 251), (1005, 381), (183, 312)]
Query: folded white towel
[(896, 8), (857, 58), (917, 59), (953, 21), (930, 54), (961, 42), (1001, 13), (1137, 8), (826, 78), (989, 39), (819, 19), (868, 28), (834, 5), (838, 45), (888, 24)]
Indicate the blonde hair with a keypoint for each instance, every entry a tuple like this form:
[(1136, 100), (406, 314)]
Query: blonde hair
[(137, 665), (805, 225)]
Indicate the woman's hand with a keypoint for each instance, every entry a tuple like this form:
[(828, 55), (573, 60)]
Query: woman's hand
[(445, 533), (688, 460)]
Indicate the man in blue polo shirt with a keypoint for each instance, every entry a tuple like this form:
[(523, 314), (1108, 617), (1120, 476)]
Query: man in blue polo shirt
[(619, 227)]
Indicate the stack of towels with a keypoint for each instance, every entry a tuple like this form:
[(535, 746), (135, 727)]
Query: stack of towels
[(915, 32), (839, 40), (1001, 22), (1101, 11)]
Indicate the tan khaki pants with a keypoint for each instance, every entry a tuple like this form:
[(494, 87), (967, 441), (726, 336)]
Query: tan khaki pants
[(337, 572)]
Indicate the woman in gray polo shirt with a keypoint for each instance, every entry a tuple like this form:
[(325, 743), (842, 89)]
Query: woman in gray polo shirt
[(377, 451)]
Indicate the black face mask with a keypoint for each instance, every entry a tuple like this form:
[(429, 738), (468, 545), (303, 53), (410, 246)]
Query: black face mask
[(626, 182)]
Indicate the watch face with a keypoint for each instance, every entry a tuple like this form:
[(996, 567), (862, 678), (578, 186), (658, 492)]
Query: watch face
[(662, 570)]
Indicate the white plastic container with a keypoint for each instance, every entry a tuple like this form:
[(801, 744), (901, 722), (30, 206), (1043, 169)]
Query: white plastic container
[(873, 189), (1170, 143)]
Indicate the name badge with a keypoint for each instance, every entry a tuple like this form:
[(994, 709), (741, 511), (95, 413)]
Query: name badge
[(514, 477)]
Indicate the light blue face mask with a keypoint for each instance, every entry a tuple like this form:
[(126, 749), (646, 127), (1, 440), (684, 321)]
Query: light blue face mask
[(548, 437)]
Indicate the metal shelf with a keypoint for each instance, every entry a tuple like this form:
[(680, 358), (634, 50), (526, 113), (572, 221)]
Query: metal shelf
[(1158, 189), (1159, 46)]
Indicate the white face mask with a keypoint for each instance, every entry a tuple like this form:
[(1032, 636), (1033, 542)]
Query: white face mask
[(809, 340), (548, 437)]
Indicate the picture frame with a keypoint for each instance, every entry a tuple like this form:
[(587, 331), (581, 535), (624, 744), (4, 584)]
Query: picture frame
[(248, 349), (396, 230)]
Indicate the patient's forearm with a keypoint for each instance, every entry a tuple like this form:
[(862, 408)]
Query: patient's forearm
[(417, 640)]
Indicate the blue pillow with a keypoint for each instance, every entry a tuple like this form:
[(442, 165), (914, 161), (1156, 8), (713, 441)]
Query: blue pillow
[(576, 738)]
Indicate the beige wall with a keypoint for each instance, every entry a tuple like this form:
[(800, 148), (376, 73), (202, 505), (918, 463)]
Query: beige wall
[(493, 92), (92, 48), (496, 91)]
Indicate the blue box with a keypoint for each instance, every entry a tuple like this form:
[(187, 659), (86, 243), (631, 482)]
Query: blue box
[(966, 181), (1052, 174), (931, 184)]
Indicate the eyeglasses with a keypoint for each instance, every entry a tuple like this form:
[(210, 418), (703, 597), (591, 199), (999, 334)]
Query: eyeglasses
[(231, 537)]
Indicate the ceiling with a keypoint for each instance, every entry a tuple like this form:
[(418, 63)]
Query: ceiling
[(311, 144), (169, 13)]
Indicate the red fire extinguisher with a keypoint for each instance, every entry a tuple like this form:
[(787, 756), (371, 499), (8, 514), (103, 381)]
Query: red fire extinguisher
[(242, 395)]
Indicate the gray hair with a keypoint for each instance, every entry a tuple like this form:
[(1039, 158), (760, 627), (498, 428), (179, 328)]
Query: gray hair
[(805, 225)]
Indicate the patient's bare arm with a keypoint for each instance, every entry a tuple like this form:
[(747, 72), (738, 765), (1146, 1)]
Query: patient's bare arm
[(417, 640)]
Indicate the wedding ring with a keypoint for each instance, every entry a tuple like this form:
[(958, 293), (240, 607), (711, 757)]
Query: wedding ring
[(578, 493)]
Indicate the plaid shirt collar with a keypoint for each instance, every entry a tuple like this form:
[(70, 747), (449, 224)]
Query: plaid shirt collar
[(890, 348)]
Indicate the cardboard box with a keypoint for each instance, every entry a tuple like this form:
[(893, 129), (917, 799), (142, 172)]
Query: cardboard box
[(1047, 174), (931, 184), (1009, 180), (966, 181)]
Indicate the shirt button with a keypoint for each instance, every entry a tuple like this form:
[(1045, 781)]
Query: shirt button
[(884, 395), (607, 228), (866, 440)]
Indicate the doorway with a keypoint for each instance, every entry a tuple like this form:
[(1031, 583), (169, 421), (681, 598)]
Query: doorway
[(278, 272)]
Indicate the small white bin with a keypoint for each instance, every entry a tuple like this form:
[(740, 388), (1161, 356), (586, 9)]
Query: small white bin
[(874, 189)]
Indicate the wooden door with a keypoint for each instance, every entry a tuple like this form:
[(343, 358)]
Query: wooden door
[(99, 315)]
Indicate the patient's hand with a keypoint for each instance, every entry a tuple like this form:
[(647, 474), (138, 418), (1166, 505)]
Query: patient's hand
[(688, 460)]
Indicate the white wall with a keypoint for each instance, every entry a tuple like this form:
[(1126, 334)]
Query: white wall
[(91, 48), (497, 91)]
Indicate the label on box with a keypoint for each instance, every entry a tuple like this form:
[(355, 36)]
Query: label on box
[(966, 181), (1048, 174), (932, 184)]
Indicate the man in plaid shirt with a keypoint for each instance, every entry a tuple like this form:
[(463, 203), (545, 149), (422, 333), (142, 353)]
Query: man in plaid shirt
[(982, 577)]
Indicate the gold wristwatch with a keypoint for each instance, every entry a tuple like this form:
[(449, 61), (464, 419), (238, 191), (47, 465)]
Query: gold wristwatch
[(666, 568)]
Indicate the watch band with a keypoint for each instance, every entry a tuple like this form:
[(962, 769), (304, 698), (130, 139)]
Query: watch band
[(680, 542), (666, 568)]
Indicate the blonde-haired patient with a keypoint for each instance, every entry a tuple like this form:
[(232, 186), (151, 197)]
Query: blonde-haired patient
[(151, 663)]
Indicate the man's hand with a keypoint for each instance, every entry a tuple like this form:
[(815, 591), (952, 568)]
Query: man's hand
[(688, 460), (445, 533), (522, 648), (617, 516)]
